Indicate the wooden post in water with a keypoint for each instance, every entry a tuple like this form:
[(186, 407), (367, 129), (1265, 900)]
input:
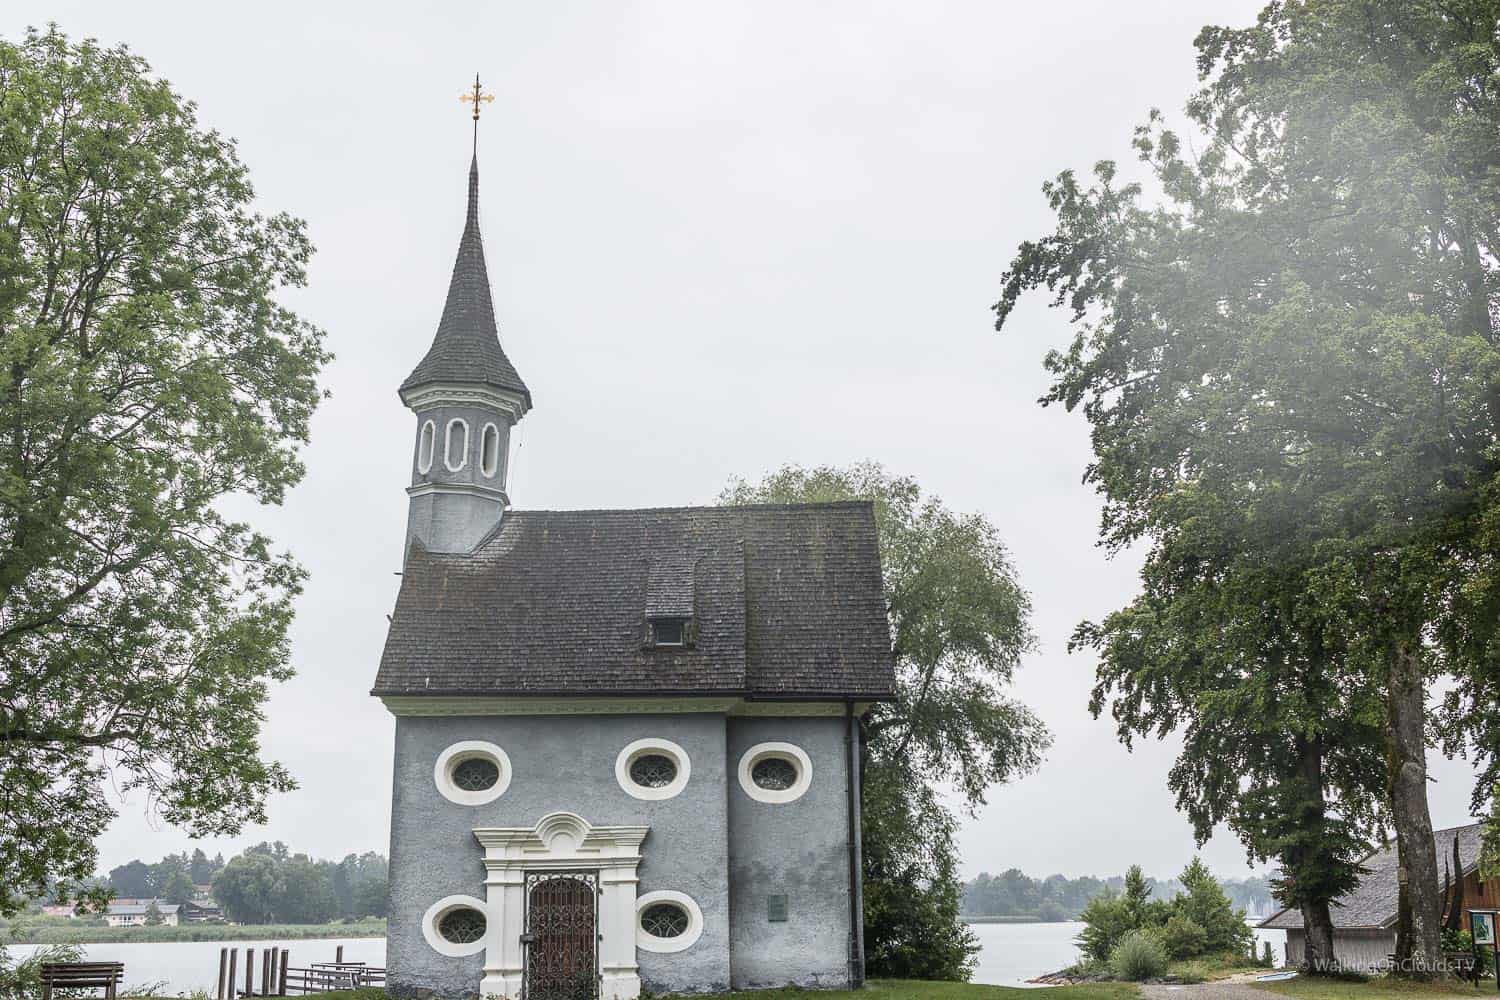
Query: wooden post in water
[(338, 954), (234, 956), (249, 972), (223, 967), (266, 976), (281, 979)]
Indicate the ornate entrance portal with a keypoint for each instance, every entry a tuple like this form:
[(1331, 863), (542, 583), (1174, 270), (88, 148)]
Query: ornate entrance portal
[(560, 897), (561, 935)]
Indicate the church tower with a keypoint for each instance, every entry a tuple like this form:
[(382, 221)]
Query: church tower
[(467, 396)]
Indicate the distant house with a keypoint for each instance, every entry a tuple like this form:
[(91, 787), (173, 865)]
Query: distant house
[(58, 910), (199, 911), (133, 913), (1364, 921)]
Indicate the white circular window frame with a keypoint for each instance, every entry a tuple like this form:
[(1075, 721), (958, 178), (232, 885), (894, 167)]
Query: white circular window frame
[(434, 916), (776, 796), (667, 946), (652, 745), (442, 772)]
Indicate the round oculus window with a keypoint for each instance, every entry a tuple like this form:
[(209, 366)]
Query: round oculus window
[(653, 770), (664, 920), (774, 774), (476, 774), (462, 926), (472, 772)]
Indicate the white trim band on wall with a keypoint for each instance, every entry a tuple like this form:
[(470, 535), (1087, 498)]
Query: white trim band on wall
[(787, 751), (442, 772), (650, 745), (666, 946), (434, 916)]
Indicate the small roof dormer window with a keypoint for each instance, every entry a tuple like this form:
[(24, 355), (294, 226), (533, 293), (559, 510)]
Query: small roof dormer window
[(669, 631), (669, 603)]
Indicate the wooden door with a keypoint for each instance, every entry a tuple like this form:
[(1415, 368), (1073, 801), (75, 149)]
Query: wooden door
[(562, 936)]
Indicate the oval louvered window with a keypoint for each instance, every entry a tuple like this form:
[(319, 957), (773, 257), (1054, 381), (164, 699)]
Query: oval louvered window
[(462, 926), (456, 446), (775, 774), (426, 443), (489, 451), (653, 770), (664, 920), (476, 774)]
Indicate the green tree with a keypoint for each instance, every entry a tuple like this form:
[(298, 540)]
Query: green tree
[(147, 371), (249, 888), (178, 888), (1290, 367), (153, 914), (1204, 903), (133, 880), (960, 625)]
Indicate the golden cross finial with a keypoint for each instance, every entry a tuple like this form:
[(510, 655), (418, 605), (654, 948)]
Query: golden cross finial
[(476, 97)]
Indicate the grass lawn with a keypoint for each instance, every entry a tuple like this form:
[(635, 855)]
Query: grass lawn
[(1378, 989), (890, 990)]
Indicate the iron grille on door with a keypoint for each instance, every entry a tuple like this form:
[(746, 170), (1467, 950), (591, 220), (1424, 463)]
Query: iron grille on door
[(562, 936)]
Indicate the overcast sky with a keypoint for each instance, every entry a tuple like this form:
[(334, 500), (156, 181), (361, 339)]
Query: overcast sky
[(722, 237)]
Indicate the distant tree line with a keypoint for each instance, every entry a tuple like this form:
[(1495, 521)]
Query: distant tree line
[(266, 884), (171, 879), (1013, 893)]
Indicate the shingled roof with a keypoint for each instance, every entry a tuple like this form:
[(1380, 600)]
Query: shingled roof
[(1372, 904), (787, 599), (467, 345)]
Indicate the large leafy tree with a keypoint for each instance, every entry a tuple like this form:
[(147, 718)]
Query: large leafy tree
[(147, 372), (960, 623), (1290, 364)]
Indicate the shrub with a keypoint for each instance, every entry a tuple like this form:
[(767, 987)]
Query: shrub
[(1204, 903), (1138, 956), (24, 979), (1183, 937), (1107, 918)]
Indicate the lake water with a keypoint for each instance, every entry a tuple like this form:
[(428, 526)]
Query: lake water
[(1010, 954)]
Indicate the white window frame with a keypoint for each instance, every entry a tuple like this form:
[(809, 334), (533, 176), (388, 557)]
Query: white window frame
[(442, 772), (487, 467), (775, 796), (667, 946), (426, 441), (434, 916), (653, 745), (463, 457)]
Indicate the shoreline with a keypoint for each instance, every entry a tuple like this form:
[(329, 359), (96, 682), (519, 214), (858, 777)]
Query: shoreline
[(189, 934)]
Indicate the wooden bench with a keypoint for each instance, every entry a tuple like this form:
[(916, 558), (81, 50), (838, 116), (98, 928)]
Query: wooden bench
[(82, 976)]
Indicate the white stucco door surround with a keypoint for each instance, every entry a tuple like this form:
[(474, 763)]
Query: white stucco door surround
[(560, 841)]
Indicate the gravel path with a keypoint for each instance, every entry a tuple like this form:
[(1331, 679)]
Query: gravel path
[(1206, 991)]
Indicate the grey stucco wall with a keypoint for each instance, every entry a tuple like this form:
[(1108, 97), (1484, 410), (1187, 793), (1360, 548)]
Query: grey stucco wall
[(559, 763), (799, 849)]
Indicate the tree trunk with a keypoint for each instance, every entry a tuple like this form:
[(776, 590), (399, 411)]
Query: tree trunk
[(1403, 916), (1317, 920), (1455, 921), (1317, 926), (1409, 812)]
